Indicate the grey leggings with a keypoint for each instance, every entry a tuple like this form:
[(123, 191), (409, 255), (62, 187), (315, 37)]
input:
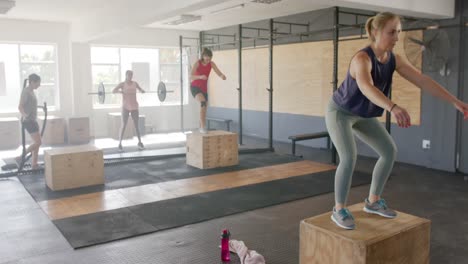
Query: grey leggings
[(341, 125), (135, 117)]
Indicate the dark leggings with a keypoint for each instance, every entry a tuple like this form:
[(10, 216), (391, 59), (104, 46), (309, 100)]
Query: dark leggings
[(135, 117)]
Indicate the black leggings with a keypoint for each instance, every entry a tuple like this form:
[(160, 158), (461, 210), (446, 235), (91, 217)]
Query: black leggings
[(195, 90), (31, 126)]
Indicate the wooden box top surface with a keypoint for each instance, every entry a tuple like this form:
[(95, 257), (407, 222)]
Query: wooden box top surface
[(71, 150), (369, 227), (211, 133)]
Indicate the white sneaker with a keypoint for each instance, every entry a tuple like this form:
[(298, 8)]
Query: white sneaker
[(203, 130)]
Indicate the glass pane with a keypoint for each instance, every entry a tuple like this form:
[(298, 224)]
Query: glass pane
[(144, 62), (174, 96), (170, 73), (111, 99), (105, 55), (109, 75), (46, 93), (105, 73), (37, 53), (169, 55), (47, 71)]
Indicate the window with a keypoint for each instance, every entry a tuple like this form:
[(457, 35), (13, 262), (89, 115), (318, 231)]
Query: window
[(20, 60), (149, 66), (106, 69)]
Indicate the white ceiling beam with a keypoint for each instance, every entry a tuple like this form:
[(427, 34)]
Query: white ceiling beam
[(435, 9)]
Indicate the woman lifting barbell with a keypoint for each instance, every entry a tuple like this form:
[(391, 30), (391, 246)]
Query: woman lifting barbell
[(130, 106), (199, 86)]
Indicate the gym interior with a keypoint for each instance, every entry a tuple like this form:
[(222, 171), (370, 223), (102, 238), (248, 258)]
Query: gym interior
[(248, 174)]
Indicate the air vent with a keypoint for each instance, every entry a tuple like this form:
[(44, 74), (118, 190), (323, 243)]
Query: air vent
[(183, 19), (268, 2)]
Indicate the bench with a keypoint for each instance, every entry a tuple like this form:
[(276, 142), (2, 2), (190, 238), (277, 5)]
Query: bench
[(307, 137), (227, 122)]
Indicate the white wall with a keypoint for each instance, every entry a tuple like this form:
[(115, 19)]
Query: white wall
[(161, 118), (45, 32)]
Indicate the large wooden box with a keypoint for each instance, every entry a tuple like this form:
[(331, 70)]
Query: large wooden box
[(54, 133), (114, 121), (78, 130), (10, 133), (214, 149), (404, 239), (73, 167)]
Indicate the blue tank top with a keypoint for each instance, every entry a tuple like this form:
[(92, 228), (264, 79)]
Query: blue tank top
[(349, 97)]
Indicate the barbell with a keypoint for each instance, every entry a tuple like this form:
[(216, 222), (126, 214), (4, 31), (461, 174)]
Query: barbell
[(162, 92)]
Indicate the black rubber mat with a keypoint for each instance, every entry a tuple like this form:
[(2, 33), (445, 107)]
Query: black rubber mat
[(91, 229), (136, 174)]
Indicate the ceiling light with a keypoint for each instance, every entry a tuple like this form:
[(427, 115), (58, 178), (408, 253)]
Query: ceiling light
[(6, 5), (228, 9), (183, 19)]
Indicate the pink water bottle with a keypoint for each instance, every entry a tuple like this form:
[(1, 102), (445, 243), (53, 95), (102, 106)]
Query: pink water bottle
[(225, 254)]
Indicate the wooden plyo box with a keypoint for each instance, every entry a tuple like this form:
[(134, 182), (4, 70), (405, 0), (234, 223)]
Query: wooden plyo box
[(9, 133), (214, 149), (73, 167), (78, 130), (54, 133), (404, 239)]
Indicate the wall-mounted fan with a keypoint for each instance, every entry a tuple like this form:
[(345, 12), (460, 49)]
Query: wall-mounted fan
[(433, 49)]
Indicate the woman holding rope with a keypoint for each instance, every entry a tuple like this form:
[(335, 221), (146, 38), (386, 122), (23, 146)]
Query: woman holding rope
[(28, 110)]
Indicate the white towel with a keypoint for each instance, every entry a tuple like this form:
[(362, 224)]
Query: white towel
[(246, 256)]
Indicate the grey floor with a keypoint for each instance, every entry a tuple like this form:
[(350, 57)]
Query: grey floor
[(27, 236)]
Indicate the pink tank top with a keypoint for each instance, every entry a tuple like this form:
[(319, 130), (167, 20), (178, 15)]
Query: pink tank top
[(129, 100)]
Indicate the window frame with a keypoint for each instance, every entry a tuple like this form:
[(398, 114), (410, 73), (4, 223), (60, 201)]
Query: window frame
[(18, 44)]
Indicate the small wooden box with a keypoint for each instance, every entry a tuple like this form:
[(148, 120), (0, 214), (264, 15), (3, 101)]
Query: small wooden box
[(114, 122), (404, 239), (10, 133), (73, 167), (78, 130), (214, 149), (54, 133)]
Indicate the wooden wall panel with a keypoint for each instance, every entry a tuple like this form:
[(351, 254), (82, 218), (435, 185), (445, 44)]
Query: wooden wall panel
[(300, 81), (223, 93)]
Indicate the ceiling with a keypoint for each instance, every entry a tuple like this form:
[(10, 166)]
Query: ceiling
[(93, 18)]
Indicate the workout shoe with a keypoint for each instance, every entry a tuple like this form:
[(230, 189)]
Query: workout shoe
[(380, 207), (203, 130), (120, 148), (140, 146), (343, 218)]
